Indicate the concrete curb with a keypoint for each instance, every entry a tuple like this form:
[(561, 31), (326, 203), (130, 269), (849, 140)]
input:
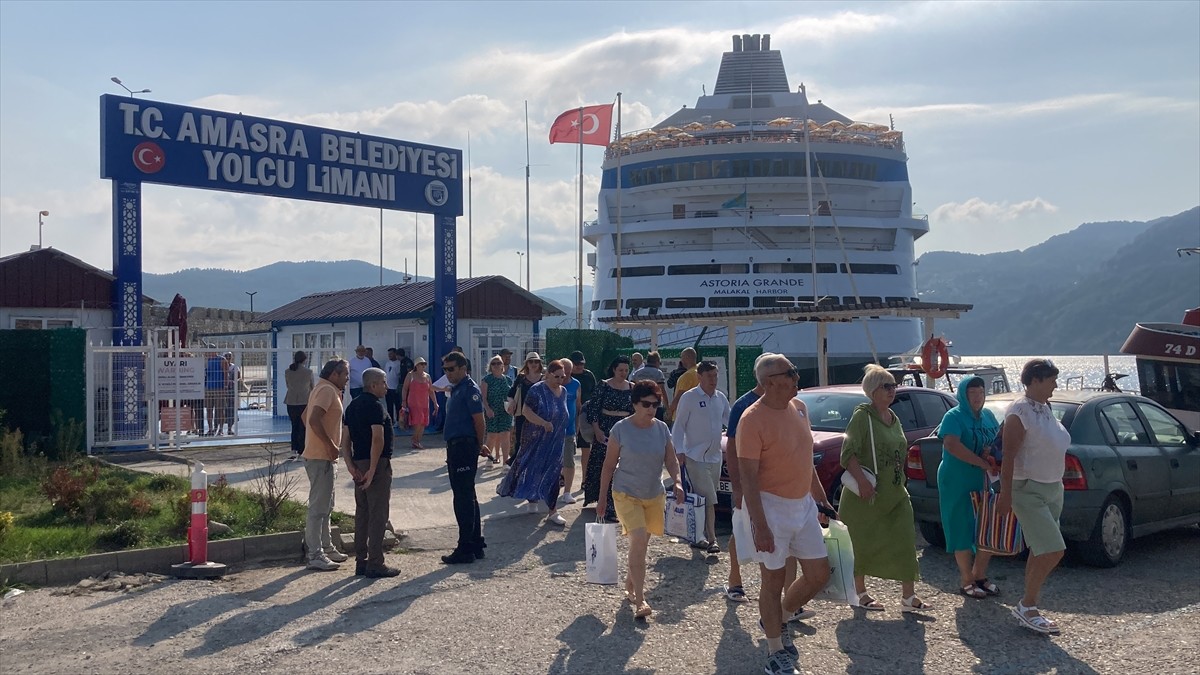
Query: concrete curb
[(280, 546)]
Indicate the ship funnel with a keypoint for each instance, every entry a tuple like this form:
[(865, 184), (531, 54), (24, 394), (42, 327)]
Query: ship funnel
[(737, 43)]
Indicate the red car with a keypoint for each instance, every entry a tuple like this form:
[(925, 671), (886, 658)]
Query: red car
[(919, 410)]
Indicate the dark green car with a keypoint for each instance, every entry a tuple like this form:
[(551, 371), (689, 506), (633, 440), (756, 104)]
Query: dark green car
[(1132, 469)]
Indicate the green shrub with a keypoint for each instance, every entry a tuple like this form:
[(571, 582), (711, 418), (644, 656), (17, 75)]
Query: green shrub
[(162, 482), (66, 485), (6, 523), (123, 535), (107, 501)]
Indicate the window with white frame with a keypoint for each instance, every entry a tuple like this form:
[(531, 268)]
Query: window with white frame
[(320, 346), (40, 323)]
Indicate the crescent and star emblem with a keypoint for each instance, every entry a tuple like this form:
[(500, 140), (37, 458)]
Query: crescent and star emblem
[(595, 124), (148, 157)]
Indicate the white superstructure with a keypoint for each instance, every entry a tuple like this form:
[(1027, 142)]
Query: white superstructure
[(715, 213)]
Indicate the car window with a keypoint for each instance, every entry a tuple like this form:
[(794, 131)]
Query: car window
[(905, 411), (933, 407), (830, 412), (1167, 430), (1124, 423)]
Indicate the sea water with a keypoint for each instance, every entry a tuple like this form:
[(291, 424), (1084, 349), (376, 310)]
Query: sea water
[(1091, 368)]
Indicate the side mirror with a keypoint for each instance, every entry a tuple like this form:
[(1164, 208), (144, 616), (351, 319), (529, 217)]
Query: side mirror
[(1195, 439)]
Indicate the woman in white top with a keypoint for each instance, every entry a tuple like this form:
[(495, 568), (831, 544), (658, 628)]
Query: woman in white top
[(1035, 450)]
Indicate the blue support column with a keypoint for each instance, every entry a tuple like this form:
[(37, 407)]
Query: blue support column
[(127, 263), (444, 326), (129, 382)]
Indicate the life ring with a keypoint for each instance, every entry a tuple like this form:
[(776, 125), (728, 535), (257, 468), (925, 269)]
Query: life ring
[(943, 357)]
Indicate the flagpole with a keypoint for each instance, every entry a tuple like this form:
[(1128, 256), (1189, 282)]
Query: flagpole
[(618, 207), (579, 257), (470, 212), (526, 196)]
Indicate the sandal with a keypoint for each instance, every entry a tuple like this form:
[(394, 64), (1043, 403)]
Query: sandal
[(1036, 623), (987, 586), (868, 603), (914, 604), (642, 610), (735, 593), (973, 591)]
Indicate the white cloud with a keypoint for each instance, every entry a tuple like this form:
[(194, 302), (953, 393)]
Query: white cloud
[(1109, 104), (976, 210)]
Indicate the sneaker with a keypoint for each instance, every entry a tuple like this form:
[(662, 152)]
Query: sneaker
[(785, 636), (801, 614), (336, 555), (556, 518), (322, 564), (735, 593), (458, 557), (568, 498), (381, 572), (781, 663)]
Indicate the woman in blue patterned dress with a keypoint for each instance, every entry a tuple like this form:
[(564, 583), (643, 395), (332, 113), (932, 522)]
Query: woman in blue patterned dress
[(536, 470), (494, 387)]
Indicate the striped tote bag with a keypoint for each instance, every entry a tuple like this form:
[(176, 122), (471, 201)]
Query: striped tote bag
[(996, 533)]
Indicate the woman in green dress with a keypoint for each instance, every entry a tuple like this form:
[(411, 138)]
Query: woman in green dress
[(880, 518), (494, 387)]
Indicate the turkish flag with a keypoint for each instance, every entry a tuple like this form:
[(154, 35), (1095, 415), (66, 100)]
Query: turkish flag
[(596, 121)]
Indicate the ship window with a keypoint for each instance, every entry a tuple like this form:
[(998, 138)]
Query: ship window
[(683, 171), (762, 168), (702, 170), (799, 167), (642, 303), (666, 173), (781, 167), (782, 268), (774, 301), (730, 301), (866, 300), (595, 305), (645, 271), (871, 268), (741, 168), (684, 303), (718, 268), (720, 168), (705, 214), (610, 304), (823, 208), (891, 298)]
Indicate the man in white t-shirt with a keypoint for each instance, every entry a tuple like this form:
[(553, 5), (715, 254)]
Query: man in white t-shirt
[(700, 418), (394, 371), (358, 365), (233, 384)]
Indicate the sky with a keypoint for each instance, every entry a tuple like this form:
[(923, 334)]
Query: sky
[(1022, 120)]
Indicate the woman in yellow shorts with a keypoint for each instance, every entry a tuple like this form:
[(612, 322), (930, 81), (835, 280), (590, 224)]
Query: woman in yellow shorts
[(639, 446)]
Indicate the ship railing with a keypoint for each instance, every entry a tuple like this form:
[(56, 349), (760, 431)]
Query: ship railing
[(748, 214), (625, 147)]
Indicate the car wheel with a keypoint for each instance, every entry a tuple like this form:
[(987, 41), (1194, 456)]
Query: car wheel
[(1110, 536), (835, 499), (933, 533)]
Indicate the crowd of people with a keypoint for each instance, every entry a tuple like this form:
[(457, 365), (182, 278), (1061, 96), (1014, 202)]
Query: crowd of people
[(628, 429)]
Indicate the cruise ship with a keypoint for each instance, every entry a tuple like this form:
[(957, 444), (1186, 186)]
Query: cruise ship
[(713, 212)]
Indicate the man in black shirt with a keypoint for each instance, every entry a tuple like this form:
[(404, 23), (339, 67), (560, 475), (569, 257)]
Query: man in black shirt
[(368, 429), (587, 384)]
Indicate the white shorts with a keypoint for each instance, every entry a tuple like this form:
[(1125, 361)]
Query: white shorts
[(797, 533)]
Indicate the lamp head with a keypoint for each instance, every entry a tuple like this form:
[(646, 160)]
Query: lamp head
[(115, 79), (43, 213)]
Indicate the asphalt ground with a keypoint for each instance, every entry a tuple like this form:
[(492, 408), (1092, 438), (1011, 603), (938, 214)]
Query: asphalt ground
[(527, 608)]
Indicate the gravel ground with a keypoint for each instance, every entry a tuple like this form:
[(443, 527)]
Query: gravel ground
[(528, 609)]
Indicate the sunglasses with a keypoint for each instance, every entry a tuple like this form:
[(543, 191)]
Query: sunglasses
[(558, 376), (790, 372), (449, 369), (648, 404), (890, 386)]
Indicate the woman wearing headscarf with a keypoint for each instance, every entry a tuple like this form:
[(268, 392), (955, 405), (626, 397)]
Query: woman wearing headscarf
[(417, 395), (531, 373), (494, 387), (880, 518), (535, 474), (636, 454), (299, 379), (968, 433), (611, 402), (1035, 453)]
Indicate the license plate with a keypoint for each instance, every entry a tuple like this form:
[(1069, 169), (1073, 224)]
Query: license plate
[(724, 486)]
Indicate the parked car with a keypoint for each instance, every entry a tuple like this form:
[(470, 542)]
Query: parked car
[(919, 410), (1132, 469)]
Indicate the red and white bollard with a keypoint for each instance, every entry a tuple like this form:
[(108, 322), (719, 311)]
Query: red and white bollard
[(198, 566)]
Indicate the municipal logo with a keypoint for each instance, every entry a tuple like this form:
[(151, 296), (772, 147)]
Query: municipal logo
[(148, 157), (436, 193)]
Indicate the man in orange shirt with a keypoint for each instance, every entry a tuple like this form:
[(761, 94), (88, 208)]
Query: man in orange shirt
[(322, 438), (781, 492)]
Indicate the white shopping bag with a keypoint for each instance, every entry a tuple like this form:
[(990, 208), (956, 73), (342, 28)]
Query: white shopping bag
[(841, 565), (743, 537), (600, 553), (685, 520)]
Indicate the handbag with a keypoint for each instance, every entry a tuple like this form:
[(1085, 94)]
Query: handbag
[(848, 480), (743, 536), (685, 519), (600, 553), (512, 404), (995, 532)]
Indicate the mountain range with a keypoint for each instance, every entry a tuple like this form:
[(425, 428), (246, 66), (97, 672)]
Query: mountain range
[(1076, 293)]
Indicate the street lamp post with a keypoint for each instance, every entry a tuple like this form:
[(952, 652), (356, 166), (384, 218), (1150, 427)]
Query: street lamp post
[(41, 214), (132, 93), (251, 294), (520, 262)]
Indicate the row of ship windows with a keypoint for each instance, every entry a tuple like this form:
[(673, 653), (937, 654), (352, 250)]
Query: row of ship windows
[(749, 168), (759, 268), (741, 301)]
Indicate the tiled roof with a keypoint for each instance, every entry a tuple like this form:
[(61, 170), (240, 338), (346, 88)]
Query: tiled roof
[(381, 302)]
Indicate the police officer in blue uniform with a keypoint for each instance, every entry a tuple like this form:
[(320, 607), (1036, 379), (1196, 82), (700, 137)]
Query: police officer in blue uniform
[(464, 433)]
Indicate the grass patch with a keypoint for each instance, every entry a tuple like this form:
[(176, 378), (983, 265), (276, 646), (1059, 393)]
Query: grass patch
[(81, 507)]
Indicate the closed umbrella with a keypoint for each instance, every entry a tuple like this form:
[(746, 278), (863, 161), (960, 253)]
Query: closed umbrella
[(177, 316)]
